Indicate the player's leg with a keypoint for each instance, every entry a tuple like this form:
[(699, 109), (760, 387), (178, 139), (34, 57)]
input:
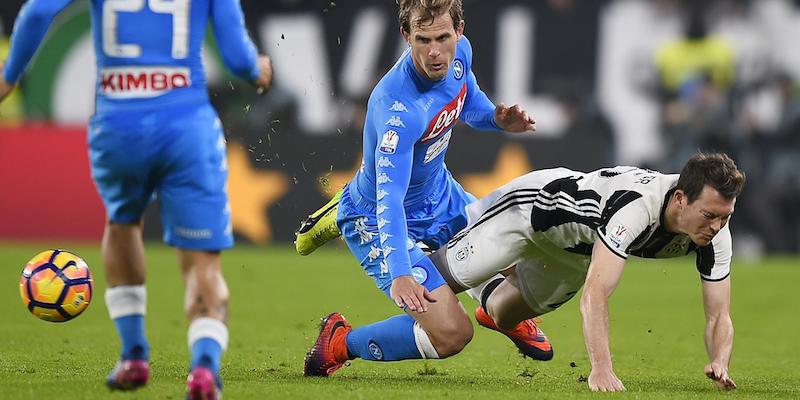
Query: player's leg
[(196, 218), (478, 256), (442, 331), (120, 171), (206, 306), (396, 338), (126, 299)]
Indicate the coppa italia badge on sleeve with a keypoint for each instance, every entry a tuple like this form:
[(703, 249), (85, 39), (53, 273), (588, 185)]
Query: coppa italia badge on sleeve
[(389, 142)]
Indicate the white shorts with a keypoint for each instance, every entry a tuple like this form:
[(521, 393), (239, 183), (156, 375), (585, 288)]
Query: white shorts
[(500, 235)]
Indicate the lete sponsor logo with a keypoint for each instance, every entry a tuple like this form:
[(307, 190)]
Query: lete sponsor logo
[(617, 235), (446, 117), (389, 142)]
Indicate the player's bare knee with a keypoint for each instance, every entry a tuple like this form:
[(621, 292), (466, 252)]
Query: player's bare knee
[(451, 336)]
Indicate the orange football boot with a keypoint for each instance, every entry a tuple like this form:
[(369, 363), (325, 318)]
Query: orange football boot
[(329, 353), (529, 339)]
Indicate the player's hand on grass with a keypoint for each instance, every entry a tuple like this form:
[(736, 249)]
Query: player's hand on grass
[(605, 381), (264, 81), (513, 119), (407, 292), (719, 374), (5, 87)]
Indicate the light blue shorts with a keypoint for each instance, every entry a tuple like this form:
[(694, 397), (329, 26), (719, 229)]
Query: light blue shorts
[(175, 154)]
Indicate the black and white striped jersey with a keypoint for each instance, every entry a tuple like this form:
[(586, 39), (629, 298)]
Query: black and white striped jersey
[(623, 206)]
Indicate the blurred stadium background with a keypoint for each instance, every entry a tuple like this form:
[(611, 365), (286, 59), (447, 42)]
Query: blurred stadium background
[(609, 82)]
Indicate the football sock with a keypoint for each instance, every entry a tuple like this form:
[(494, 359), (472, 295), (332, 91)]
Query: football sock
[(126, 306), (475, 292), (487, 290), (392, 339), (208, 338)]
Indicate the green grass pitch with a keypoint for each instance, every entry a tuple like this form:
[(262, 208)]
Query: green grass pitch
[(278, 297)]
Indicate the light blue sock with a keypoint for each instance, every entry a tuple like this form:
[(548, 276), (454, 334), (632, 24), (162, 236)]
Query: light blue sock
[(388, 340), (131, 333), (206, 352)]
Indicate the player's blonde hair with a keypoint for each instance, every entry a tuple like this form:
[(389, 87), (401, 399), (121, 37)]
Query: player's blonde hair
[(428, 10), (716, 170)]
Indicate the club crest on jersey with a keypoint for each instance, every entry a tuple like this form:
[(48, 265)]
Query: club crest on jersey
[(617, 235), (458, 69), (389, 142), (446, 117), (398, 107)]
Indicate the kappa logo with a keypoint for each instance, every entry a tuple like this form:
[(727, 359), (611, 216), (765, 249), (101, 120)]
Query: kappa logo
[(395, 121), (419, 274), (385, 162), (398, 107), (446, 117), (383, 178), (380, 209), (458, 69), (389, 142), (381, 194), (375, 350)]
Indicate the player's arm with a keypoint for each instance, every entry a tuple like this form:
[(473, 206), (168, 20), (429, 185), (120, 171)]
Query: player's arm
[(394, 158), (238, 51), (605, 271), (480, 113), (30, 29), (719, 331)]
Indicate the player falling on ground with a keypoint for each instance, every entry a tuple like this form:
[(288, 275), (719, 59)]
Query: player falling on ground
[(155, 132), (403, 194), (552, 231)]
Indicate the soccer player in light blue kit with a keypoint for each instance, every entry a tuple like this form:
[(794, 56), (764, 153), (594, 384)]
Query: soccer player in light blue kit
[(403, 194), (155, 132)]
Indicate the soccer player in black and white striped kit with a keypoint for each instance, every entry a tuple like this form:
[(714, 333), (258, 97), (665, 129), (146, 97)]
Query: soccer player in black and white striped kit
[(547, 233)]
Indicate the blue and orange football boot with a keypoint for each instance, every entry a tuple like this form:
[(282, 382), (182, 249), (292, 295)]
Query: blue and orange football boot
[(329, 353), (202, 384), (529, 339), (128, 375)]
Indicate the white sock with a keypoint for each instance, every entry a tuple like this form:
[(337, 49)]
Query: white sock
[(424, 344), (475, 292), (205, 327), (123, 301)]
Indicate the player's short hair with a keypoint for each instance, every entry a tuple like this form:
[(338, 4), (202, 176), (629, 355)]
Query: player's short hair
[(716, 170), (429, 9)]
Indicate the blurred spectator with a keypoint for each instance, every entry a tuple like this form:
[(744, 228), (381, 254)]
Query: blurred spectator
[(695, 74)]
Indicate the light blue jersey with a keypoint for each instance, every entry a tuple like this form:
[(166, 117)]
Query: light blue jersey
[(154, 130), (148, 51), (403, 193)]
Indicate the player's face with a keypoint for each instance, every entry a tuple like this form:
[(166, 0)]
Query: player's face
[(703, 218), (433, 45)]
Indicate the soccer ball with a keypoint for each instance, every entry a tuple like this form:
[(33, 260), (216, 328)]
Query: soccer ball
[(56, 285)]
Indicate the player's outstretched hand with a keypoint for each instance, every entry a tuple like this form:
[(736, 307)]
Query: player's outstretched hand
[(264, 81), (605, 381), (406, 292), (513, 119), (5, 87), (719, 374)]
